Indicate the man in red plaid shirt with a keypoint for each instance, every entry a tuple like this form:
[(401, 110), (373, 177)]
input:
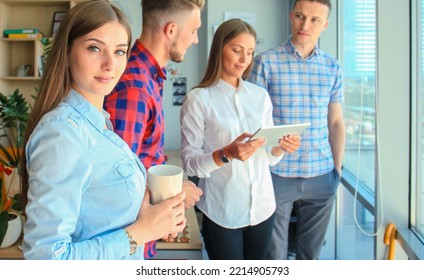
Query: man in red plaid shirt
[(135, 105)]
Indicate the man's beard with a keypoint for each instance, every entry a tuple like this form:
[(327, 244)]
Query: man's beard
[(174, 54)]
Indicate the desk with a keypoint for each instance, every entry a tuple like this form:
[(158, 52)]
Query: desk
[(12, 252), (191, 250), (177, 250)]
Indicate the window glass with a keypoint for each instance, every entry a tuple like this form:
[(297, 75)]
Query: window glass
[(356, 220), (359, 67), (352, 243)]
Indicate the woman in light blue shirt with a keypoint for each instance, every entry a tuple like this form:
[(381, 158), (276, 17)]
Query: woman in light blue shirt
[(217, 117), (85, 190)]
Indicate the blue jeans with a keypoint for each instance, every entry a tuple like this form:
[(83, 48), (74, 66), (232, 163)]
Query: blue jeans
[(247, 243), (314, 198)]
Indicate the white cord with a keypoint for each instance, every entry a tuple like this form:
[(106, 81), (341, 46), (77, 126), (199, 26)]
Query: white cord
[(378, 189)]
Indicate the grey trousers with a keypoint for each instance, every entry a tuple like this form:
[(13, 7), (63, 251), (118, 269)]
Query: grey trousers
[(314, 198)]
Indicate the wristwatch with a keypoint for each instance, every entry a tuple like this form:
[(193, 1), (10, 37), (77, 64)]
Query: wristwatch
[(133, 244), (223, 157)]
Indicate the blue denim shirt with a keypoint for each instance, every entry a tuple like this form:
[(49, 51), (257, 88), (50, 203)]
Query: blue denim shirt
[(85, 186)]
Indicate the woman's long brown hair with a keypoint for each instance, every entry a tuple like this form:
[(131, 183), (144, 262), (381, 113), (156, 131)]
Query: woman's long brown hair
[(56, 81), (225, 33)]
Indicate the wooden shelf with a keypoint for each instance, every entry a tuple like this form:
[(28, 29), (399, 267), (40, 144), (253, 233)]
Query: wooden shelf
[(16, 78), (16, 14), (20, 39)]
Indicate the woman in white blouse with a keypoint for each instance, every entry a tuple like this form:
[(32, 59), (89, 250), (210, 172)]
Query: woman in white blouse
[(217, 117)]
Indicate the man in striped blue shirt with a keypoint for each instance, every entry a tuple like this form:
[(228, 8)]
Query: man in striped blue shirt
[(305, 85)]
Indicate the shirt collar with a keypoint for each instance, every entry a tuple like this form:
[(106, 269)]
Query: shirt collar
[(85, 108), (145, 55), (226, 87), (291, 48)]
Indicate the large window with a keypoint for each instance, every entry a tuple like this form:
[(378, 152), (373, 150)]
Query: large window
[(359, 66), (356, 201)]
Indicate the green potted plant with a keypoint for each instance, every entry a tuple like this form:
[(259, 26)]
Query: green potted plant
[(46, 42), (10, 222), (14, 114)]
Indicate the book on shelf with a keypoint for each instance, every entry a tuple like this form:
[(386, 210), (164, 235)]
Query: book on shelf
[(20, 31), (25, 36)]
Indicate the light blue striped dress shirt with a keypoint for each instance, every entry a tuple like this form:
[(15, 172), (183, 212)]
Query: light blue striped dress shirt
[(301, 90), (85, 186)]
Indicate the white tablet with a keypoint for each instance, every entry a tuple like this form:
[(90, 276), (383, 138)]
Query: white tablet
[(275, 133)]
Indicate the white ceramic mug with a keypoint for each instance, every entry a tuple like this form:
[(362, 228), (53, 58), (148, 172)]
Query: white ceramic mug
[(164, 181)]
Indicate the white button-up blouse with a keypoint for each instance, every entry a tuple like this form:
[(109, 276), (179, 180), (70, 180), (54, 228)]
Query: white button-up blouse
[(240, 193)]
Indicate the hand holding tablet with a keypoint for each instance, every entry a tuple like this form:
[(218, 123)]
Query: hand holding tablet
[(275, 133)]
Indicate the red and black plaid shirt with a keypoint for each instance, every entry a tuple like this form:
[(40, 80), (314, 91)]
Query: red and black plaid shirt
[(135, 108)]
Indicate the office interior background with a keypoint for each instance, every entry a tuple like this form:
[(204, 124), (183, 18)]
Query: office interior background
[(379, 44)]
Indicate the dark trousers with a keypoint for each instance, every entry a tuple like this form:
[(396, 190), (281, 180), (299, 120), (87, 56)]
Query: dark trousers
[(247, 243), (314, 199)]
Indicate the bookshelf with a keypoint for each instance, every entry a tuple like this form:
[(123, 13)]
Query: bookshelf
[(20, 14)]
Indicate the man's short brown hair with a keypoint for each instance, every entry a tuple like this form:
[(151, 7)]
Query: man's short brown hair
[(324, 2), (158, 12)]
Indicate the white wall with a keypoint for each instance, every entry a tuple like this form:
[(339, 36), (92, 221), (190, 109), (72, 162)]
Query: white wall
[(271, 18), (393, 108)]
